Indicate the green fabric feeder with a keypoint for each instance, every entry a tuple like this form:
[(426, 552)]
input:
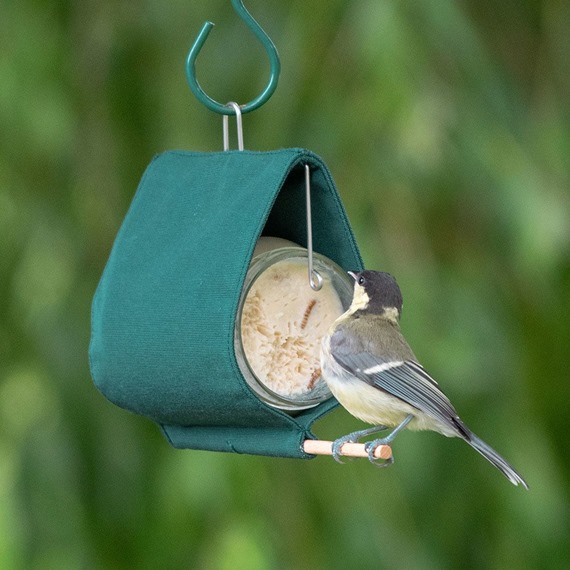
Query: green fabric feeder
[(164, 313)]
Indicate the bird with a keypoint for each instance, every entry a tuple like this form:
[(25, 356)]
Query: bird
[(373, 373)]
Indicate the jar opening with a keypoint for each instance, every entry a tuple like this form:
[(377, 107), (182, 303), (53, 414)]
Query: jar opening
[(281, 322)]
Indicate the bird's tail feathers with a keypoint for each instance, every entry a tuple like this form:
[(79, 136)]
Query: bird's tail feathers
[(493, 457)]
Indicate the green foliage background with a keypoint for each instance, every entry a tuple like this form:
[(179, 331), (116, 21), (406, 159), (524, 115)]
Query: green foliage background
[(447, 127)]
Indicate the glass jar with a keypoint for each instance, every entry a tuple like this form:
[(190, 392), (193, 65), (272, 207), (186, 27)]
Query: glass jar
[(280, 324)]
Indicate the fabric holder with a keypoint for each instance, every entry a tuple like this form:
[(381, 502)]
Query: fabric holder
[(163, 315)]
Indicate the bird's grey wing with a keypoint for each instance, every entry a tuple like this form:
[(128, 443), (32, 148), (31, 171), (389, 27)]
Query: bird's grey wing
[(406, 380)]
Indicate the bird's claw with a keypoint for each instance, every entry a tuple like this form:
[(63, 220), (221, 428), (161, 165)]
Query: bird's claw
[(337, 447), (370, 447)]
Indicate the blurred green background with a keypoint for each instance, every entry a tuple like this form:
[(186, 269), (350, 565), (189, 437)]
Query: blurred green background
[(446, 125)]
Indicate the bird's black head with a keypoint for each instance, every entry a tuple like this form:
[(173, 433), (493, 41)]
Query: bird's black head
[(377, 292)]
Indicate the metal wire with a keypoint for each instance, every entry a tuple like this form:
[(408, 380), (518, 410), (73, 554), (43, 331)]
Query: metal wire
[(239, 126), (315, 279)]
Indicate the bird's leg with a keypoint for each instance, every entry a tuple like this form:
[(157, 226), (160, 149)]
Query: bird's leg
[(352, 438), (371, 446)]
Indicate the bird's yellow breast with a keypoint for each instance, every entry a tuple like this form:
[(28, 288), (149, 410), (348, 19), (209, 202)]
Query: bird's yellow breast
[(369, 404)]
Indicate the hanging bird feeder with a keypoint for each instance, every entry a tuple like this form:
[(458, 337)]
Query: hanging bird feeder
[(205, 320)]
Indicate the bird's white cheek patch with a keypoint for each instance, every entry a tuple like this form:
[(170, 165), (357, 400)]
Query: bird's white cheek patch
[(360, 299), (392, 314), (383, 367)]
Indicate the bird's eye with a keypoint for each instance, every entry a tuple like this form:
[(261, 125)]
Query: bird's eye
[(361, 280)]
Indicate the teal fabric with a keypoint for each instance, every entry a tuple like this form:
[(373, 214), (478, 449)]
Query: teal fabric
[(162, 342)]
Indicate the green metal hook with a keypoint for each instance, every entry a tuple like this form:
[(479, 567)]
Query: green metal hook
[(275, 65)]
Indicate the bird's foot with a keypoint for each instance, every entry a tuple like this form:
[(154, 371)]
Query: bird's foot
[(371, 446), (351, 438)]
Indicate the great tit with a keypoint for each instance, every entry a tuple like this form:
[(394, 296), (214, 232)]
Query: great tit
[(373, 373)]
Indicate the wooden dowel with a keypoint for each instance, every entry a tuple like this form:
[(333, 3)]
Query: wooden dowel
[(320, 447)]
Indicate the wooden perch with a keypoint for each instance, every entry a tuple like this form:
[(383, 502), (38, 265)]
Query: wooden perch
[(320, 447)]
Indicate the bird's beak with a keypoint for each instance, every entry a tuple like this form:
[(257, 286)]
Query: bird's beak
[(352, 274)]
